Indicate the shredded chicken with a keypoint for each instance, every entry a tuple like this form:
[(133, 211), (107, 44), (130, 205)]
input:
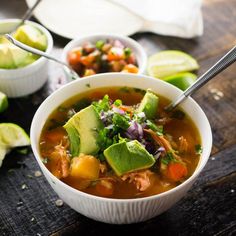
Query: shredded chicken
[(141, 179), (60, 156), (183, 144), (103, 167), (162, 141), (159, 140)]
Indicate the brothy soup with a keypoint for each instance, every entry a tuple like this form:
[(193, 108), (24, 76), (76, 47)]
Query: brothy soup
[(119, 143)]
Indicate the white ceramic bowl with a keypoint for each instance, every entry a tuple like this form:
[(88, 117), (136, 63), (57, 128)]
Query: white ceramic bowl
[(120, 211), (128, 42), (26, 80)]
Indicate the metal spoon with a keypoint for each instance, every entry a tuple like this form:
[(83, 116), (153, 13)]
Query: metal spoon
[(26, 16), (41, 53), (228, 59)]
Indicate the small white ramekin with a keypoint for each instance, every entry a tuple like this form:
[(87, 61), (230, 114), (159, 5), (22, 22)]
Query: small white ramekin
[(137, 49), (26, 80), (119, 211)]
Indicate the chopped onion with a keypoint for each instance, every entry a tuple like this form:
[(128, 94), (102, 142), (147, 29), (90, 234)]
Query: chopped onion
[(117, 110), (141, 115), (156, 156)]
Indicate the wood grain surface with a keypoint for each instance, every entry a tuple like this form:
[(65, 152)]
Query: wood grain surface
[(28, 204)]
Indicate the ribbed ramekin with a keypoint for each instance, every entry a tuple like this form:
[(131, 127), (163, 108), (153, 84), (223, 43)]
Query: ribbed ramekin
[(26, 80)]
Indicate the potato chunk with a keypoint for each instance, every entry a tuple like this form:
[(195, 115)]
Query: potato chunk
[(85, 167)]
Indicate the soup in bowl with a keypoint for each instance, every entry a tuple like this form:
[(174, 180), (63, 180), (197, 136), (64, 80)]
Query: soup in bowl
[(112, 153)]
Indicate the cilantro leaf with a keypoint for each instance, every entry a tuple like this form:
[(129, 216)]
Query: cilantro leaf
[(120, 121), (157, 128), (198, 149), (103, 104)]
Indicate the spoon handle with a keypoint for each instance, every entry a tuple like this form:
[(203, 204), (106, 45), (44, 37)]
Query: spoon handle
[(219, 66), (27, 15), (40, 53)]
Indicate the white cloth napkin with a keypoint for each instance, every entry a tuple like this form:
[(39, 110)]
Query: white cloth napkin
[(76, 18), (181, 18)]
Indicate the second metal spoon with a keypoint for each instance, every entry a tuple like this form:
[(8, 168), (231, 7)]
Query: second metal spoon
[(41, 53)]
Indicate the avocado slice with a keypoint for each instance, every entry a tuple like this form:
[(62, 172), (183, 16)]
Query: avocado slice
[(82, 129), (11, 56), (31, 36), (126, 157), (149, 105)]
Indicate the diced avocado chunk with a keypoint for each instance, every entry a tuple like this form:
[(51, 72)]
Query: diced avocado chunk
[(11, 56), (82, 129), (126, 157), (149, 105), (31, 36)]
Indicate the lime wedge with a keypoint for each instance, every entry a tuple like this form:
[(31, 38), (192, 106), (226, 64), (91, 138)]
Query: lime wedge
[(170, 62), (181, 80), (11, 135), (3, 152), (3, 102)]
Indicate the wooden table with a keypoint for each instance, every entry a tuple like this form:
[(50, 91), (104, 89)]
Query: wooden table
[(28, 204)]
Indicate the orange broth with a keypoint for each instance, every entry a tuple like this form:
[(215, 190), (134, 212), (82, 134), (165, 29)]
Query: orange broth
[(54, 134)]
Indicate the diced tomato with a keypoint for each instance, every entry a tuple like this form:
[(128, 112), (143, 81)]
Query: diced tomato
[(87, 60), (131, 59), (74, 56)]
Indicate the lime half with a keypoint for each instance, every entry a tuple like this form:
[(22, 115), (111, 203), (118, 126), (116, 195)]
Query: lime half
[(170, 62), (181, 80), (11, 135), (3, 102)]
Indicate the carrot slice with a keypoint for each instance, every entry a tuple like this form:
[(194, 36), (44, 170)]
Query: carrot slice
[(176, 171)]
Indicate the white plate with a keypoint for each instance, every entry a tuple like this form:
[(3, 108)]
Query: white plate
[(76, 18)]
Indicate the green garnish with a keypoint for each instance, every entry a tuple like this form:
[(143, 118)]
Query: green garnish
[(198, 149), (99, 44), (102, 105), (118, 102), (127, 52), (88, 85), (120, 121), (168, 158), (158, 129)]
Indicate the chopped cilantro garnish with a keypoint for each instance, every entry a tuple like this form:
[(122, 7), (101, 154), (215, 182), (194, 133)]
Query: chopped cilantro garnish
[(120, 121), (168, 158), (102, 105), (127, 52), (99, 44), (118, 102), (198, 149), (157, 128)]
